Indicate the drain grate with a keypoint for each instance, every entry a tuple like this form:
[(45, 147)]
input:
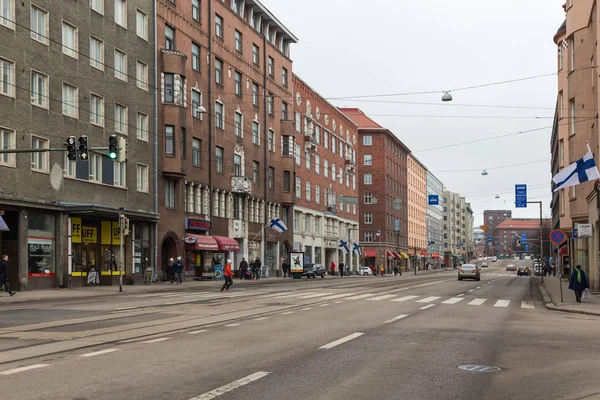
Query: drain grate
[(479, 368)]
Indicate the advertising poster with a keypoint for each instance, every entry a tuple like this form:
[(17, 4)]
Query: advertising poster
[(297, 262)]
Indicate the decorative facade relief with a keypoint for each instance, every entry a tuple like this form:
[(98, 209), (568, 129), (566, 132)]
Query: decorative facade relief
[(198, 204), (222, 205), (308, 107), (190, 201), (206, 201), (326, 119), (333, 126), (298, 99), (318, 113), (216, 202), (229, 205)]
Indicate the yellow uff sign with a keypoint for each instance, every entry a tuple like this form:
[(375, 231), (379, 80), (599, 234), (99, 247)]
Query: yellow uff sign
[(110, 233), (76, 230), (89, 234)]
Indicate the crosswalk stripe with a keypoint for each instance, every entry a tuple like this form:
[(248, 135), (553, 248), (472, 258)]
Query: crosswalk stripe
[(428, 299), (289, 296), (453, 300), (360, 296), (337, 296), (385, 296), (312, 296), (477, 302), (502, 303), (405, 298), (527, 304)]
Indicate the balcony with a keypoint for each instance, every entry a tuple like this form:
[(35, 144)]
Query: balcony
[(310, 143), (241, 185)]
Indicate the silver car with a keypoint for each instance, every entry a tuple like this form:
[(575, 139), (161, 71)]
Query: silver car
[(469, 271)]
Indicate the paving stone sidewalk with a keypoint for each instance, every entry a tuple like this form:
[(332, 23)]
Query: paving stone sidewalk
[(551, 289)]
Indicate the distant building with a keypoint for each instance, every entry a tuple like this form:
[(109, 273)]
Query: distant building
[(458, 228), (435, 220), (417, 211), (491, 219), (509, 236)]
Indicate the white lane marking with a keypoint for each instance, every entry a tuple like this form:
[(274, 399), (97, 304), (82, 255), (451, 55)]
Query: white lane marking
[(196, 332), (338, 302), (231, 386), (342, 340), (453, 300), (428, 299), (97, 353), (502, 303), (312, 296), (261, 318), (22, 369), (156, 340), (360, 296), (476, 302), (461, 295), (307, 308), (405, 298), (287, 295), (287, 313), (232, 325), (399, 317), (427, 306), (472, 290), (385, 296), (337, 296), (324, 305), (527, 304), (478, 287)]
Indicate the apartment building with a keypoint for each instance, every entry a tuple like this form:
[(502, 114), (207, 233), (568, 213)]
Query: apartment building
[(458, 228), (417, 211), (383, 191), (435, 220), (81, 69), (326, 209), (225, 74), (491, 219)]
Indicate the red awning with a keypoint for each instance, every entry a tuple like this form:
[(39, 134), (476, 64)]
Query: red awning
[(396, 255), (227, 243), (370, 253), (436, 256), (203, 242), (564, 251)]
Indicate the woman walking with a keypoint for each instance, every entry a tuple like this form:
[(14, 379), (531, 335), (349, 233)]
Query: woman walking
[(579, 282)]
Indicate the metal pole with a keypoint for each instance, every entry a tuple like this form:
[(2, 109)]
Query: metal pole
[(541, 243), (121, 227)]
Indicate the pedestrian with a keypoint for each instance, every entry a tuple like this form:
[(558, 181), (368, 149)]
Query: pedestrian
[(178, 270), (341, 267), (228, 274), (257, 266), (285, 267), (4, 275), (243, 268), (579, 282), (382, 270), (332, 268), (171, 270), (395, 270)]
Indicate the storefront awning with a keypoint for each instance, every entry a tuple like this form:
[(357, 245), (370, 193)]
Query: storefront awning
[(564, 251), (403, 256), (389, 253), (396, 255), (227, 243), (3, 226), (201, 242), (435, 256), (370, 253)]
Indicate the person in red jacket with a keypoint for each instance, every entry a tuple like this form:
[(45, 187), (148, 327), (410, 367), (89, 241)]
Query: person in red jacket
[(332, 268), (228, 273)]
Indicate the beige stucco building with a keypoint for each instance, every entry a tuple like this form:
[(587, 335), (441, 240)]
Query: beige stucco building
[(417, 211)]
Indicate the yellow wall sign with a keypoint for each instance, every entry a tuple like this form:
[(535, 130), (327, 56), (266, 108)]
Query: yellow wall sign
[(89, 234), (110, 231), (76, 230)]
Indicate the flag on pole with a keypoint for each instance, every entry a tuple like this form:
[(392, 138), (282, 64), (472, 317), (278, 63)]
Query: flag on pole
[(344, 246), (582, 170), (356, 249), (277, 225), (378, 233)]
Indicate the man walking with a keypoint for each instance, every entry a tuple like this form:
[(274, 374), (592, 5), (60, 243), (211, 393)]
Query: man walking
[(228, 276), (4, 275), (341, 268), (243, 268), (178, 270)]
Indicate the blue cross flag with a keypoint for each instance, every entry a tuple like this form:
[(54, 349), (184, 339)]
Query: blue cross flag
[(356, 249), (580, 171), (344, 246), (277, 225)]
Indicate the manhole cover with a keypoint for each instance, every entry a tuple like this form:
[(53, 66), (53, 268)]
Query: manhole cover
[(479, 368)]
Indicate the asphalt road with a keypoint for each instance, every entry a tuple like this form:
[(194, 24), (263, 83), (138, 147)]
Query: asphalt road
[(364, 338)]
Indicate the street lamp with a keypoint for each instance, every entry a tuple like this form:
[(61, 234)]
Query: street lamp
[(484, 172), (446, 96)]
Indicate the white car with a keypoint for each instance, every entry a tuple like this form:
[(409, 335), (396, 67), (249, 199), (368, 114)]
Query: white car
[(362, 270)]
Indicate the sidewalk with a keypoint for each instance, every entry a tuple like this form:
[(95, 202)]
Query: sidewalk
[(551, 291)]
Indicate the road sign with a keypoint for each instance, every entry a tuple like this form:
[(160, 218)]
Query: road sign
[(557, 237), (483, 227), (521, 196), (575, 233), (433, 200), (584, 230), (489, 239), (527, 248), (523, 238)]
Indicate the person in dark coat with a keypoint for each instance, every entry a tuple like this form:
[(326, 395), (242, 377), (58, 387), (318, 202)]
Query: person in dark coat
[(4, 275), (171, 270), (579, 282), (257, 267), (243, 268), (341, 268), (285, 268), (178, 270)]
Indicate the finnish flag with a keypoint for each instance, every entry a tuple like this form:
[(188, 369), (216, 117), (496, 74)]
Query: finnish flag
[(582, 170), (277, 225), (356, 249), (344, 246)]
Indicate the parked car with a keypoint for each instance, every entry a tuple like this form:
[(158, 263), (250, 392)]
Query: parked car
[(494, 259), (314, 270), (523, 271), (511, 267), (363, 270), (484, 265), (469, 271)]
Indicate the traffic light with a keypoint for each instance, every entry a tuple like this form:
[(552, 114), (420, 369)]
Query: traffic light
[(71, 149), (83, 148), (122, 146), (113, 149), (124, 225)]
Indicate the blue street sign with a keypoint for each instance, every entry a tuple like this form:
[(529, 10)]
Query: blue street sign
[(489, 239), (527, 248), (575, 233), (433, 200), (523, 238), (521, 196)]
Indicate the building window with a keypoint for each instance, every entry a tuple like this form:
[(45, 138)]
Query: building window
[(141, 25), (70, 98), (7, 13), (141, 77), (183, 143), (287, 146), (368, 236), (95, 168), (317, 194), (70, 167), (170, 194), (368, 159), (69, 40), (298, 155), (218, 71), (142, 178), (219, 159), (142, 127), (286, 181), (270, 106), (333, 171), (255, 54), (368, 179), (561, 151), (237, 165), (325, 168), (271, 178), (219, 115), (195, 57), (238, 83), (560, 105), (121, 119), (317, 165), (196, 104), (219, 26), (572, 50), (326, 139), (255, 94), (284, 111), (169, 140), (298, 187), (121, 13), (120, 177), (573, 114), (196, 10), (308, 190), (284, 76), (255, 133), (196, 145), (271, 67), (307, 159), (39, 89), (255, 172), (333, 145), (368, 198), (238, 124), (120, 65), (169, 37), (298, 122), (239, 43), (97, 53), (367, 140), (271, 143), (7, 141), (39, 161), (39, 25), (96, 110), (7, 77), (368, 218)]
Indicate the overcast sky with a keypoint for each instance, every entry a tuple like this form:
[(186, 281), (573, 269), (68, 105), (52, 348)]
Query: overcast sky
[(436, 45)]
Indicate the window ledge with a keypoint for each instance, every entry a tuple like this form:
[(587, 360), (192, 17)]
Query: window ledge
[(72, 178)]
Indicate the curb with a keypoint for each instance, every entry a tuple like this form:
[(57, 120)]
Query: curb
[(551, 306), (547, 298)]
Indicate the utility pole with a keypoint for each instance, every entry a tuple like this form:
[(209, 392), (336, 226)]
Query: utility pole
[(121, 229), (541, 237)]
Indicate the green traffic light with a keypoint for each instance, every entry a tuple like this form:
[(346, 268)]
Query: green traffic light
[(112, 155)]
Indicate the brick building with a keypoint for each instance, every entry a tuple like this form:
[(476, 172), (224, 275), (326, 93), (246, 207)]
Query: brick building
[(225, 75), (383, 192), (491, 219), (417, 211), (325, 157), (508, 236)]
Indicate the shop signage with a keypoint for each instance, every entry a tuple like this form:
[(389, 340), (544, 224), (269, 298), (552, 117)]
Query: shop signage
[(83, 234), (584, 230), (110, 233), (297, 262), (190, 240), (199, 225)]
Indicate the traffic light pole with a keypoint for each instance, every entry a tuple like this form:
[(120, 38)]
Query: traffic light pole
[(121, 228), (5, 151), (541, 237)]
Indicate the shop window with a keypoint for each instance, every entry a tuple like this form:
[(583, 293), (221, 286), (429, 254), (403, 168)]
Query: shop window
[(41, 241)]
